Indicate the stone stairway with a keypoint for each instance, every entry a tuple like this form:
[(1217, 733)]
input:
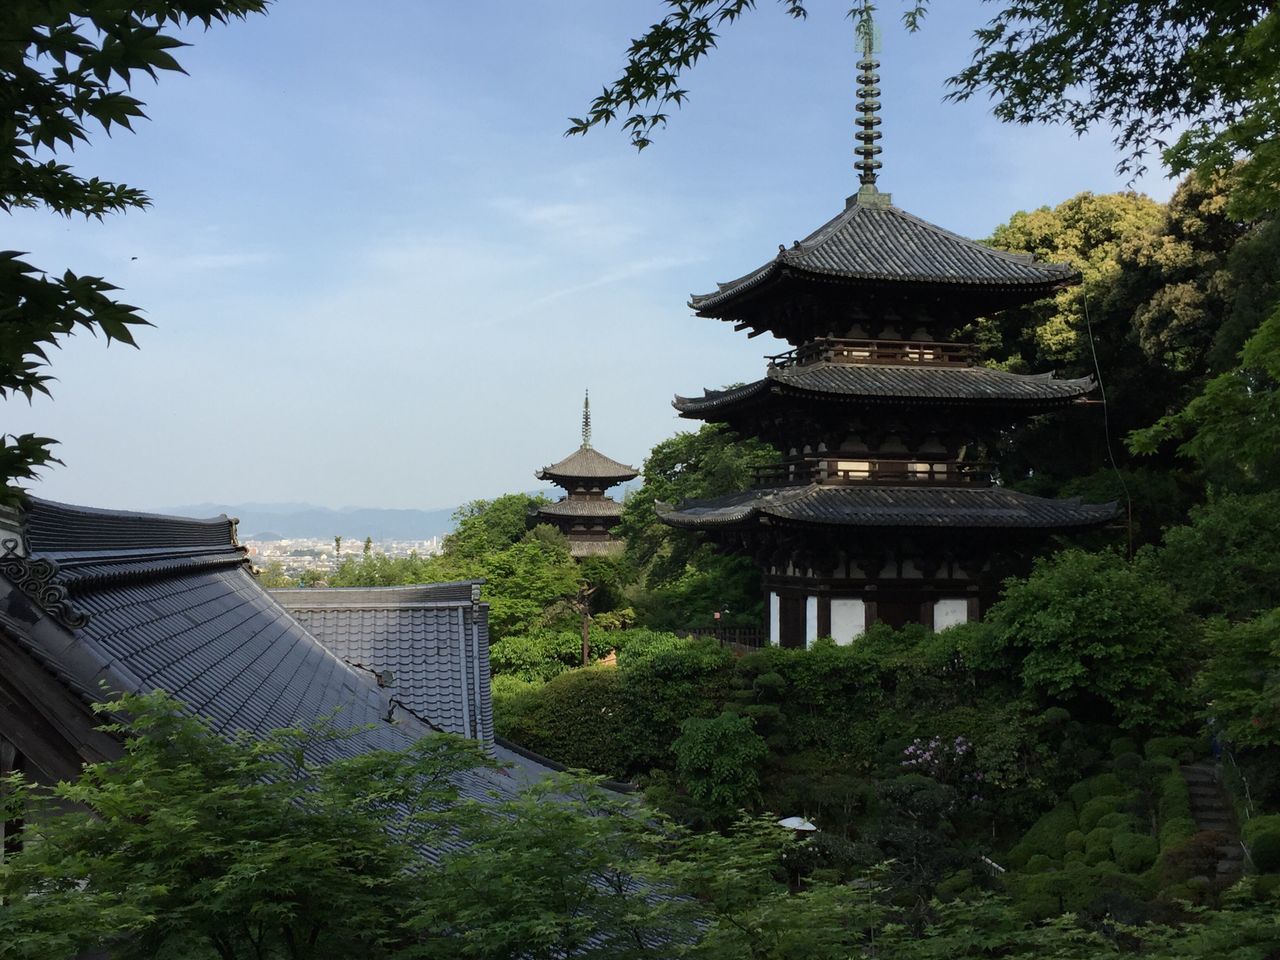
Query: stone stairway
[(1212, 811)]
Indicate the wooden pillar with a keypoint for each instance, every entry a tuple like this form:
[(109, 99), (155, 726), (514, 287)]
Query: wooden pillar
[(824, 614)]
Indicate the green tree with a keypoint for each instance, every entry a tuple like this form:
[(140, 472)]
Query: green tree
[(718, 761), (273, 576), (687, 580), (482, 526), (1092, 630), (65, 69), (1240, 681), (1225, 561)]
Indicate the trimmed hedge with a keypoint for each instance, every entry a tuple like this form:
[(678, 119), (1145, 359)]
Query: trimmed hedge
[(1134, 852), (1049, 834), (575, 720), (1175, 831), (1265, 852), (1096, 809), (1268, 823), (1175, 799)]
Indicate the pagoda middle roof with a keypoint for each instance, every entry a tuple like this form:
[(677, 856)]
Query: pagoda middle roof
[(894, 384), (957, 508), (872, 240), (605, 507), (587, 463)]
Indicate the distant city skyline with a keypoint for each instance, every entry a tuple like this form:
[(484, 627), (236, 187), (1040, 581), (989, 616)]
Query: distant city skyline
[(381, 276)]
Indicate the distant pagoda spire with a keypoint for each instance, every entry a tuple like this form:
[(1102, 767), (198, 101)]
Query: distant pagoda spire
[(586, 418), (868, 103)]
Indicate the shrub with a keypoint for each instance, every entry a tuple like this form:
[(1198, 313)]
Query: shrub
[(1043, 895), (1073, 856), (1182, 749), (1096, 809), (1175, 831), (1074, 841), (512, 698), (540, 655), (1264, 851), (1134, 852), (718, 761), (1119, 822), (1088, 626), (1097, 845), (1175, 798), (1080, 794), (1038, 864), (1048, 835), (1122, 745), (1268, 823), (575, 720), (1106, 785)]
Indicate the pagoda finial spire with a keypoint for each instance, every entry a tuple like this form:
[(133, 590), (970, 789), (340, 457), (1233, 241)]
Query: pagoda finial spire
[(868, 102), (586, 418)]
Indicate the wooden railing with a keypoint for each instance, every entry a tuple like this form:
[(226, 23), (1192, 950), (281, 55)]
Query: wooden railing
[(834, 350), (751, 637), (868, 470)]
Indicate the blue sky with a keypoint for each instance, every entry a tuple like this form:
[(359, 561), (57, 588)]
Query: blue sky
[(381, 276)]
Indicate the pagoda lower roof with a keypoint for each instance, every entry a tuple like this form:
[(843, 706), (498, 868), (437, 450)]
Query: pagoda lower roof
[(582, 507), (877, 383), (587, 463), (955, 508), (872, 240)]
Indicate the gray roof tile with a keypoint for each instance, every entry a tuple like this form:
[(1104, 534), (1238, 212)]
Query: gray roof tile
[(959, 508), (877, 383), (587, 463), (880, 242)]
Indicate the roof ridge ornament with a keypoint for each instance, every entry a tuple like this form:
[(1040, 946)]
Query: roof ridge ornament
[(586, 418)]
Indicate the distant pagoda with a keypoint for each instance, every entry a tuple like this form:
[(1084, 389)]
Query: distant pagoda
[(885, 507), (585, 515)]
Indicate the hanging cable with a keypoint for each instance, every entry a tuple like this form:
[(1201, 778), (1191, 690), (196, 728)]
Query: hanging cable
[(1106, 426)]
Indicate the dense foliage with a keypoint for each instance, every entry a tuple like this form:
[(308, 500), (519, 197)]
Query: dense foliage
[(192, 847)]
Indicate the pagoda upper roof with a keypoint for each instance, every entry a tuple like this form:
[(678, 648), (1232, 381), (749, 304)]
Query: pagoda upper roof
[(587, 463), (604, 507), (872, 240), (889, 507), (879, 383)]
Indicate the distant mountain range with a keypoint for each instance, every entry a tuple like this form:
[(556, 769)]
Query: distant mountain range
[(295, 521)]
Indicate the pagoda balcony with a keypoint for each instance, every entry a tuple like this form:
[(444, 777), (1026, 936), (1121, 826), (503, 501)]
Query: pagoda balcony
[(846, 470), (895, 352)]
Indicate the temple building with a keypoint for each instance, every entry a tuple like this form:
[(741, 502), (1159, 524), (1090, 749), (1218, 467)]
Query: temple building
[(884, 506), (585, 514)]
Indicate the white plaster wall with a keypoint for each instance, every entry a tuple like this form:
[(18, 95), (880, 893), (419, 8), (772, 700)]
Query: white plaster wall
[(848, 620), (949, 612), (775, 619), (810, 621)]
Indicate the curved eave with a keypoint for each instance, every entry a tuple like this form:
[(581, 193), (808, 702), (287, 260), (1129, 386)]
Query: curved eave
[(572, 479), (920, 508), (604, 509), (718, 305), (1056, 393)]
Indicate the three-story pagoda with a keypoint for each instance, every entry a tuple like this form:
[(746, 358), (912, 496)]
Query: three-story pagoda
[(586, 515), (884, 507)]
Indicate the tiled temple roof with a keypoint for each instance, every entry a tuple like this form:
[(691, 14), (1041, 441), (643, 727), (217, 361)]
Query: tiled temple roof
[(429, 645), (600, 507), (137, 602), (894, 384), (588, 463), (897, 507), (872, 240)]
